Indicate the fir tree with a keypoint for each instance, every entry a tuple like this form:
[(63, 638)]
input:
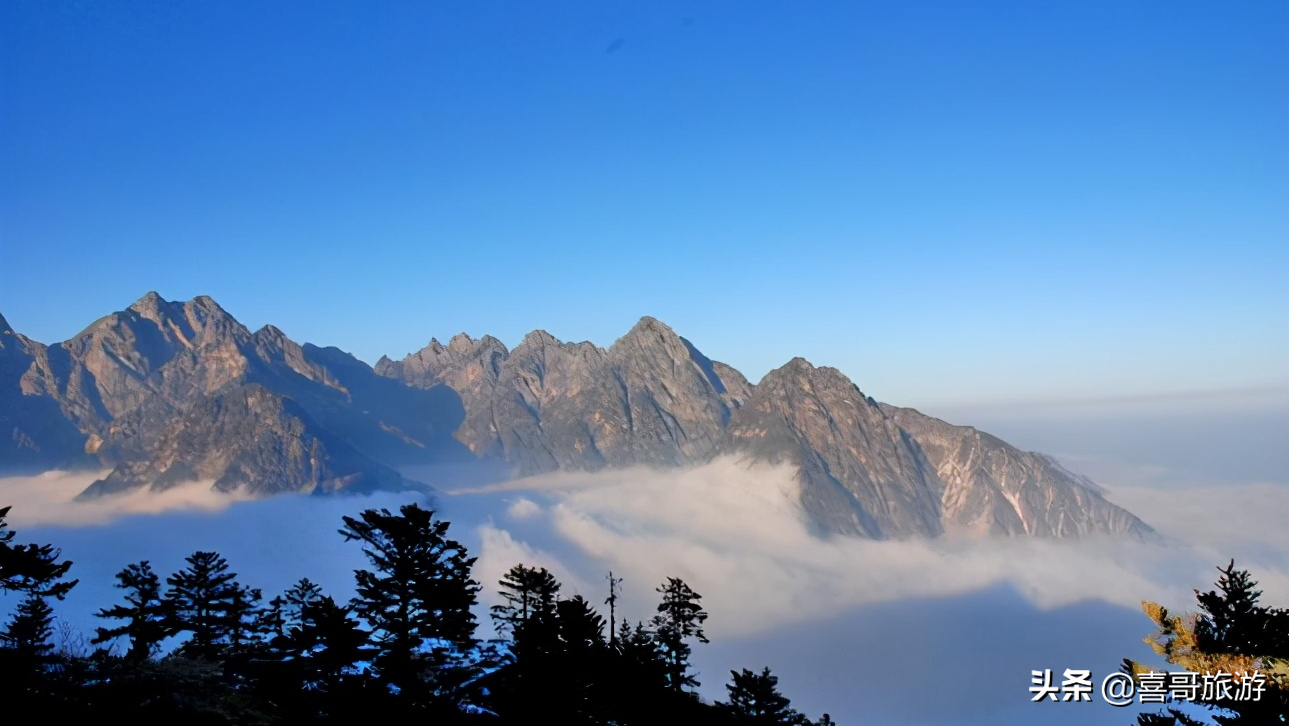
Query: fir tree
[(418, 595), (327, 644), (31, 568), (29, 630), (529, 592), (145, 612), (201, 598), (755, 699), (1234, 634), (242, 619), (680, 618)]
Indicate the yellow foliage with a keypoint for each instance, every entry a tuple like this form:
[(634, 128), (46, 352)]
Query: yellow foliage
[(1175, 640)]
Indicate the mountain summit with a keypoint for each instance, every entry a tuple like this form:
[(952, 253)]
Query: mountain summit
[(168, 392), (653, 399)]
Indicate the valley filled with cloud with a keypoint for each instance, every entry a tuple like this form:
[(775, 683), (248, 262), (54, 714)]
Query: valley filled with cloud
[(901, 632)]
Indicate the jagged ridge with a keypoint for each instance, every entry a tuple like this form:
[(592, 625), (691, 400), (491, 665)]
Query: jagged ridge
[(165, 392)]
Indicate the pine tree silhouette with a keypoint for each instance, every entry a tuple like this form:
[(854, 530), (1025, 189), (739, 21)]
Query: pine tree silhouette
[(417, 598), (755, 699), (680, 618), (530, 593), (31, 568), (201, 598), (146, 613)]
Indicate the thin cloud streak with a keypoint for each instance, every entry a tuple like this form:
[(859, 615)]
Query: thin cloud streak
[(50, 499)]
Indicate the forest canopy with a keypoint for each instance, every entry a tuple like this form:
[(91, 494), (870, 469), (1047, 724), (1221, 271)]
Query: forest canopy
[(200, 646)]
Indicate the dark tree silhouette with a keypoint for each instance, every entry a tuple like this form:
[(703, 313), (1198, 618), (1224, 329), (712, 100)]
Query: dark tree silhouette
[(31, 568), (404, 648), (29, 630), (680, 618), (146, 613), (755, 699), (327, 644), (583, 661), (285, 611), (26, 650), (612, 602), (581, 629), (417, 597), (301, 595), (201, 598), (243, 620), (558, 659), (529, 592), (1233, 622), (1231, 633)]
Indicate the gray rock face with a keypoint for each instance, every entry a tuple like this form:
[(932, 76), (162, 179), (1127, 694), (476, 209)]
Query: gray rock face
[(245, 438), (650, 398), (861, 473), (166, 392), (35, 435), (992, 487), (148, 390)]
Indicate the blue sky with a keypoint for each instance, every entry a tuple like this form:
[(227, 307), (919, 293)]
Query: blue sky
[(951, 202)]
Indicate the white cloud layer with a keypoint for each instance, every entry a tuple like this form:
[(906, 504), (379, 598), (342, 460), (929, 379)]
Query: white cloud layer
[(50, 498), (736, 534), (846, 624)]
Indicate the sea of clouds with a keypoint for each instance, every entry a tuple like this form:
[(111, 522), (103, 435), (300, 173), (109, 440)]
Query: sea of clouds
[(907, 632)]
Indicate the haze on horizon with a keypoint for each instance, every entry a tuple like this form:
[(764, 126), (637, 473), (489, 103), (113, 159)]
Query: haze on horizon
[(953, 205)]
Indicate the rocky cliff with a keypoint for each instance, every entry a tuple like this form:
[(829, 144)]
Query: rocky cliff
[(167, 392)]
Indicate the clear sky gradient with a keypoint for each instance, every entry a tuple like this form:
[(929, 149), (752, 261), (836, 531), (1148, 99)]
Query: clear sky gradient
[(951, 202)]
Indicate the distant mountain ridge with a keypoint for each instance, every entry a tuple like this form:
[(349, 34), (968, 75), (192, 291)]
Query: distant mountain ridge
[(166, 392)]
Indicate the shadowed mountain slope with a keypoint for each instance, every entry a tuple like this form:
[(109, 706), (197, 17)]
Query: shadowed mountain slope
[(168, 392)]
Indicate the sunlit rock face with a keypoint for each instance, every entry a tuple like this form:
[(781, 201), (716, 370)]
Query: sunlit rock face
[(993, 487), (165, 393), (652, 398)]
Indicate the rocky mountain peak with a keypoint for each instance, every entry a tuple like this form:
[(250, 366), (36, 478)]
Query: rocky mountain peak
[(646, 331), (488, 342), (461, 343), (653, 343), (790, 374), (270, 333), (150, 302), (538, 339), (167, 391), (207, 303), (797, 365), (801, 374)]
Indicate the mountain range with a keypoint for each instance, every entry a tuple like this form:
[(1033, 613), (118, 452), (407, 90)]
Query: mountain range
[(164, 393)]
